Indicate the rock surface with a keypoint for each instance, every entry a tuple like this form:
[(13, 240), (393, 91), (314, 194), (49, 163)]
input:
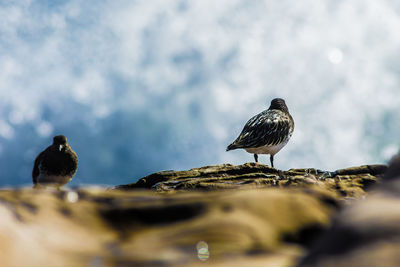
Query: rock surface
[(350, 182), (366, 233), (267, 218)]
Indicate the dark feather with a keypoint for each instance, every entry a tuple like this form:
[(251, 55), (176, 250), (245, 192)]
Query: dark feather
[(36, 171), (52, 161), (270, 127)]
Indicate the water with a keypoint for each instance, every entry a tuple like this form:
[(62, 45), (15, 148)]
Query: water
[(143, 86)]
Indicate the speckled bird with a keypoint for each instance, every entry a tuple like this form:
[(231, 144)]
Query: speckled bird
[(267, 132), (56, 165)]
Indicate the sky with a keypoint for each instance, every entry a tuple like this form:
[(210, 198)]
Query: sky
[(143, 86)]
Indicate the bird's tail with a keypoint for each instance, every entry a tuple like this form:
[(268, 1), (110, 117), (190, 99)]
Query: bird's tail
[(231, 147)]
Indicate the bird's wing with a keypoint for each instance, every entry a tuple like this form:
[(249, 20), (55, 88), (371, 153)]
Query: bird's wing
[(72, 162), (270, 127), (36, 170)]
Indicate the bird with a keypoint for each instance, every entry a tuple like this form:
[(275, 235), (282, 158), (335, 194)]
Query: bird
[(267, 132), (56, 165)]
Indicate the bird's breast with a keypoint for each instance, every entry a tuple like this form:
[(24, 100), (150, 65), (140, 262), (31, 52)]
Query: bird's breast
[(56, 180), (268, 149)]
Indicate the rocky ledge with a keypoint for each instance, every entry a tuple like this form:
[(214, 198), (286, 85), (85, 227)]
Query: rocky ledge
[(350, 182), (243, 215)]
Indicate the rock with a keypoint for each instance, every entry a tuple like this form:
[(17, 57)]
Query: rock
[(351, 182), (393, 171), (268, 218), (44, 228), (366, 233)]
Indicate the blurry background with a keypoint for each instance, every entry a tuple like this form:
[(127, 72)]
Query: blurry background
[(143, 86)]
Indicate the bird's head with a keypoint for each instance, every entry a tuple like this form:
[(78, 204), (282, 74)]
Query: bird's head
[(60, 141), (279, 103)]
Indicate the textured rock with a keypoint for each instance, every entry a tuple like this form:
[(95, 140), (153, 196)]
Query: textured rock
[(43, 228), (350, 182), (393, 171), (366, 233), (271, 221)]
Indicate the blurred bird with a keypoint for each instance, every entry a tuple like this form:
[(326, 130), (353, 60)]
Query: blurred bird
[(56, 165), (267, 132)]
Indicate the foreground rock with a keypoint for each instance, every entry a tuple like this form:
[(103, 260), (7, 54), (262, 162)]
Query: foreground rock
[(366, 233), (271, 221)]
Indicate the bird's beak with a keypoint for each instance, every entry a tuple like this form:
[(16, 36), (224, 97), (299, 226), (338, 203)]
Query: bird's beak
[(60, 147)]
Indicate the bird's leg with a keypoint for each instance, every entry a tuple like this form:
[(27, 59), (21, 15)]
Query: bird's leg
[(271, 158), (256, 157)]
